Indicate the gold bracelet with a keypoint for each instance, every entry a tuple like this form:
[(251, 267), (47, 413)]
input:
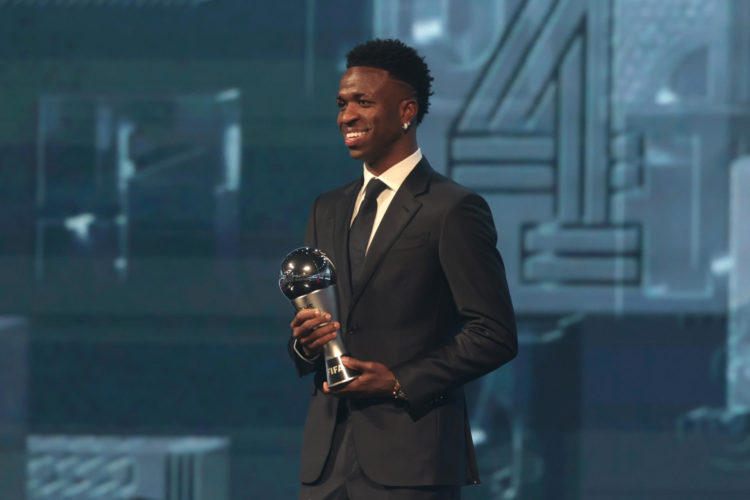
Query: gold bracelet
[(398, 392)]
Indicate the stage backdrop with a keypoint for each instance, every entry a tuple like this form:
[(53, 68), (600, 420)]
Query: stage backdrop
[(158, 158)]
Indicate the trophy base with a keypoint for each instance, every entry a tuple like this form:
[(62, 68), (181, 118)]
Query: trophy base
[(337, 374)]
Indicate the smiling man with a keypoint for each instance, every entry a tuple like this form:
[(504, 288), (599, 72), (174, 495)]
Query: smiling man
[(424, 306), (376, 111)]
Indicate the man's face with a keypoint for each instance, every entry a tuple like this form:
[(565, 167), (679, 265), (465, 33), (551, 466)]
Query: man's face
[(370, 115)]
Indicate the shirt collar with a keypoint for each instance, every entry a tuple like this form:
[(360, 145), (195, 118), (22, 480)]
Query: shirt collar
[(395, 175)]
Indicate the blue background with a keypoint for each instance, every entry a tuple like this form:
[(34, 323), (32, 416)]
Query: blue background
[(158, 159)]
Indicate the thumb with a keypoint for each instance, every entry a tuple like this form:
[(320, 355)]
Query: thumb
[(353, 363)]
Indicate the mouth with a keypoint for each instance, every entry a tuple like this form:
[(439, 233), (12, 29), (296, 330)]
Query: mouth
[(353, 137)]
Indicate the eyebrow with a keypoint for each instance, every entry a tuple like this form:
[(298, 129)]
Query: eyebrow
[(355, 96)]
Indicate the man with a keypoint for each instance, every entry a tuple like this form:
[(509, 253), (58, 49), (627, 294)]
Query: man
[(423, 301)]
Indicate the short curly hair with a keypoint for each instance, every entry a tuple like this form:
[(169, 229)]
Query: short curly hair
[(401, 61)]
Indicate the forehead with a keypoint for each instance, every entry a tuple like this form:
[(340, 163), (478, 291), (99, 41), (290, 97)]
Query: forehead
[(366, 80)]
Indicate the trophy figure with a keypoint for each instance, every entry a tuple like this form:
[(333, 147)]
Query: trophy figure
[(308, 279)]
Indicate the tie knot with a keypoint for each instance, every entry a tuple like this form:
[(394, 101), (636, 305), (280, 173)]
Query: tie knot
[(374, 188)]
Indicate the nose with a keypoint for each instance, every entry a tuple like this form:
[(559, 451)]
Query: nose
[(348, 115)]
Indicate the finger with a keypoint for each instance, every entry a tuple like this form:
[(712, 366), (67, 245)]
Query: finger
[(315, 325), (304, 315), (355, 363), (320, 341), (308, 336), (343, 389), (316, 321), (349, 390)]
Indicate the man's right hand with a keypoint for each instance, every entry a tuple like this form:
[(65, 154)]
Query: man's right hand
[(309, 335)]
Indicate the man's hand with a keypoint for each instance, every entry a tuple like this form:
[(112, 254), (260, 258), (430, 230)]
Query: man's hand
[(375, 380), (310, 336)]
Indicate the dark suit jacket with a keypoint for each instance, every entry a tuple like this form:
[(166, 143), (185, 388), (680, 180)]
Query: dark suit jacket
[(433, 305)]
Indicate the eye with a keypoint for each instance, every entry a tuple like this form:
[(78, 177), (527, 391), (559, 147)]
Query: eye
[(340, 103), (364, 103)]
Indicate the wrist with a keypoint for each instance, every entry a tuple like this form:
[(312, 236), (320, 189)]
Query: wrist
[(304, 353), (398, 391)]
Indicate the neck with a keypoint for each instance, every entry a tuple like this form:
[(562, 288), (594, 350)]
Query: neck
[(405, 149)]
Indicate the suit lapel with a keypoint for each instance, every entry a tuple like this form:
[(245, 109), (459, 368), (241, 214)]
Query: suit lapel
[(344, 208), (400, 212)]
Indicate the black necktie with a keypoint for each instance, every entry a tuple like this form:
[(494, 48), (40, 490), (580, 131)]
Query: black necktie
[(359, 232)]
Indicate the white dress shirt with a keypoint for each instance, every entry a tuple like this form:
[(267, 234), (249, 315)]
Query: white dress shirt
[(392, 178)]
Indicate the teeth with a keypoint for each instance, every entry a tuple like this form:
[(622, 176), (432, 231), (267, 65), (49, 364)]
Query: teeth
[(352, 135)]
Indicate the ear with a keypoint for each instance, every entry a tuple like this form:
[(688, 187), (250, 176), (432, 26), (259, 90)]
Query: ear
[(409, 108)]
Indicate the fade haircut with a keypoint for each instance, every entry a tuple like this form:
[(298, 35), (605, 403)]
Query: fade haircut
[(401, 62)]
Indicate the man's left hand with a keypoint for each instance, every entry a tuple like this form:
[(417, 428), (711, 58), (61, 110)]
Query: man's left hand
[(375, 380)]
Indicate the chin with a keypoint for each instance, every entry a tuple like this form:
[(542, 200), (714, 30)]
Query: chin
[(356, 154)]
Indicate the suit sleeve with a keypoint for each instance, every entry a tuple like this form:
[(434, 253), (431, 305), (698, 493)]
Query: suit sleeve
[(305, 367), (475, 274)]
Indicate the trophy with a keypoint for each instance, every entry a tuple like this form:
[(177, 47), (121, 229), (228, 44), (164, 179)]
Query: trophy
[(308, 279)]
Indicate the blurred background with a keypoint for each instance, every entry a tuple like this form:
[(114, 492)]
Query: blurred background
[(158, 159)]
